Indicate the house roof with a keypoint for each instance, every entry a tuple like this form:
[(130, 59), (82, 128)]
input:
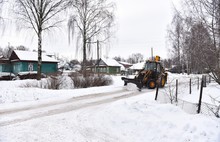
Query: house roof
[(138, 66), (32, 56), (125, 63), (111, 62), (4, 60)]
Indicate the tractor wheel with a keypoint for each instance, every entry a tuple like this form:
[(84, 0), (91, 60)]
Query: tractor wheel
[(151, 84), (163, 81)]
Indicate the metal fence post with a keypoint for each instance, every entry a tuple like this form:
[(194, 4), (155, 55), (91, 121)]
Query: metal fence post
[(209, 78), (190, 86), (204, 81), (200, 97), (176, 89), (157, 92)]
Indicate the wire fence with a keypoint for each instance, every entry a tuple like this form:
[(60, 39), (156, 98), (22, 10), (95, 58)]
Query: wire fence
[(170, 95), (188, 107), (210, 109)]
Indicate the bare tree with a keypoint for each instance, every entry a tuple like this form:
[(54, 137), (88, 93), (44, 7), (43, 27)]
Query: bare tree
[(1, 52), (208, 11), (201, 48), (1, 4), (119, 58), (7, 51), (175, 37), (92, 20), (135, 58), (39, 15), (22, 47)]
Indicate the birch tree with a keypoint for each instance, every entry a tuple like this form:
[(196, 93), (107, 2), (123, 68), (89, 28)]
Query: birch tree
[(175, 38), (208, 11), (39, 15), (201, 48), (92, 21)]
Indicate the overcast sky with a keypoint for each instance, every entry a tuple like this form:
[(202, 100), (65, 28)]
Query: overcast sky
[(140, 26)]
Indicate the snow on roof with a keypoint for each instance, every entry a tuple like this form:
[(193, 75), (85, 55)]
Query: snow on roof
[(32, 56), (138, 66), (124, 63), (111, 62)]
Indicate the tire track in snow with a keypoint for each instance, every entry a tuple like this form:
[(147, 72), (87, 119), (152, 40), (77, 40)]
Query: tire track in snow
[(53, 102), (29, 113)]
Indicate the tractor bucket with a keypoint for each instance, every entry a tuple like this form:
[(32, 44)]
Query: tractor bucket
[(138, 82)]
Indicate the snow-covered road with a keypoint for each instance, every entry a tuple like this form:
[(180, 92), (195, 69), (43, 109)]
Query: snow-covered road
[(26, 112)]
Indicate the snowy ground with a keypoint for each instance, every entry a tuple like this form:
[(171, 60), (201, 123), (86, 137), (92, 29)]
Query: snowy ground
[(115, 116)]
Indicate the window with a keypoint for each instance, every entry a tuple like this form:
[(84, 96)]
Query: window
[(104, 69), (117, 70), (30, 67), (150, 66), (158, 67)]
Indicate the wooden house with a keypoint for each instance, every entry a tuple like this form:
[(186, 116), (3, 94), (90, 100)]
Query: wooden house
[(26, 61), (107, 66), (137, 67)]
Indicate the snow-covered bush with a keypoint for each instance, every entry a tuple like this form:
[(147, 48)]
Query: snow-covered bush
[(169, 92), (53, 82), (65, 81), (90, 80)]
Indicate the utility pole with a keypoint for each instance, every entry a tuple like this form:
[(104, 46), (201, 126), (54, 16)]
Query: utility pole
[(98, 57), (152, 53)]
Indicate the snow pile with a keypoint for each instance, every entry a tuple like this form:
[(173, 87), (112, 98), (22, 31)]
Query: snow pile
[(28, 90), (6, 74), (27, 72), (65, 82), (141, 121)]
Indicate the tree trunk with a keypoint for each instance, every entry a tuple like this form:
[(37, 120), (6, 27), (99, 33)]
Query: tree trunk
[(39, 55), (84, 56)]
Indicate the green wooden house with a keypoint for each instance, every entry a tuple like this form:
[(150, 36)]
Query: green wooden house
[(107, 66), (26, 61)]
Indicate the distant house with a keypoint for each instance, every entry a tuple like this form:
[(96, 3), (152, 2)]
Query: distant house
[(137, 67), (125, 64), (107, 65), (26, 61), (125, 67)]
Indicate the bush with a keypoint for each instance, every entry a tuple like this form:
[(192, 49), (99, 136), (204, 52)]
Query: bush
[(52, 82), (48, 83), (74, 80), (91, 80)]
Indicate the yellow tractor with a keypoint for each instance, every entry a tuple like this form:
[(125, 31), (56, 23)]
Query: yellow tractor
[(151, 75)]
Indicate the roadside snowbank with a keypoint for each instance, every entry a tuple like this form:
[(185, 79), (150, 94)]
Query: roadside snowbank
[(15, 91)]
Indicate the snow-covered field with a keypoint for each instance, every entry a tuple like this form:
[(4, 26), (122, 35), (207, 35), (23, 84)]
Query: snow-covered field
[(117, 114)]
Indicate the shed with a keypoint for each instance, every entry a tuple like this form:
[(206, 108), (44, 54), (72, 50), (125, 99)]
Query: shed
[(26, 61)]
